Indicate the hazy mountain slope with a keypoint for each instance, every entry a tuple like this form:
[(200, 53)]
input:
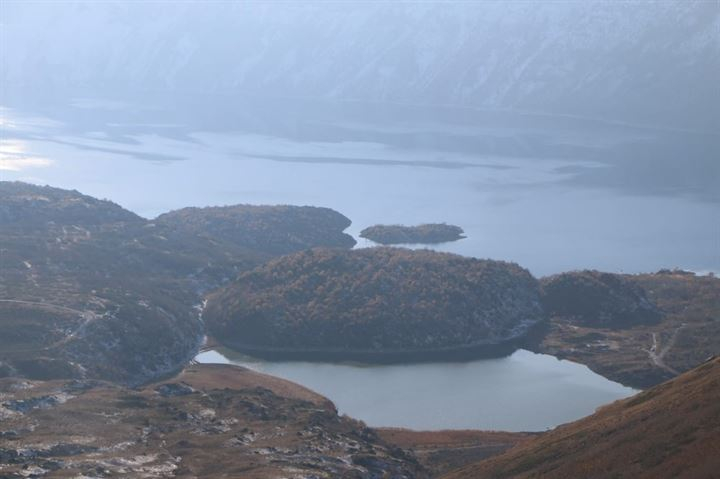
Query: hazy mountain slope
[(669, 431), (637, 61)]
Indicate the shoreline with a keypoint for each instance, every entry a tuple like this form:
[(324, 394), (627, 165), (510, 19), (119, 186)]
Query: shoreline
[(479, 350), (449, 354)]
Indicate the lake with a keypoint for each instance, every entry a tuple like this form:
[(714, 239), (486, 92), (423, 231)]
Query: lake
[(521, 392), (550, 193)]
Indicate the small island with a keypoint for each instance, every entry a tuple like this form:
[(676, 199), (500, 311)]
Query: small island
[(430, 233)]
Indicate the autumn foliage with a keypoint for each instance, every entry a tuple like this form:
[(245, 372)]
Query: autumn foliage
[(375, 299)]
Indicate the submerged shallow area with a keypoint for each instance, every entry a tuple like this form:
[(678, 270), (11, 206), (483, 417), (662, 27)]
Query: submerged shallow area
[(521, 392)]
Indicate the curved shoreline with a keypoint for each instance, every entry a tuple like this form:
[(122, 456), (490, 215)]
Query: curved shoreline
[(448, 354)]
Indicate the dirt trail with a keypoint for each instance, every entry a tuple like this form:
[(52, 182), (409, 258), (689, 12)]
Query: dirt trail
[(656, 354), (87, 318)]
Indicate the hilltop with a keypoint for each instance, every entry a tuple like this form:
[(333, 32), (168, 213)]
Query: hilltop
[(25, 206), (376, 304), (669, 431), (593, 298)]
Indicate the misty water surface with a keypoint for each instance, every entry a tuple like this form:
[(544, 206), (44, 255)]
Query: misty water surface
[(550, 193)]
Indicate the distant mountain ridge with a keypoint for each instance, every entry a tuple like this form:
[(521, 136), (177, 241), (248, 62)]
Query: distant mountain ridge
[(650, 62)]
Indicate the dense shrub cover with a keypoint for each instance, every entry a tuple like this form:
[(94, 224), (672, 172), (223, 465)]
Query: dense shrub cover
[(375, 299)]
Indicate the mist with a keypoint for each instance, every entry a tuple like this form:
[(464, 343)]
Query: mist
[(359, 238), (643, 62), (533, 124)]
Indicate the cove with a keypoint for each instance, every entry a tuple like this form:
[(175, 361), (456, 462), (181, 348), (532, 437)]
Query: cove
[(521, 392)]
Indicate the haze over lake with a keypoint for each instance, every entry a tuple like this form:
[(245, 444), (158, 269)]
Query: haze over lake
[(550, 193)]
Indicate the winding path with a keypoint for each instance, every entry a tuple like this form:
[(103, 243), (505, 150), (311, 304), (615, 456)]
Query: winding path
[(87, 318), (657, 356)]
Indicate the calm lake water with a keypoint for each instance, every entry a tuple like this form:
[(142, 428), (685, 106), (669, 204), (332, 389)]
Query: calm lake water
[(552, 194), (521, 392)]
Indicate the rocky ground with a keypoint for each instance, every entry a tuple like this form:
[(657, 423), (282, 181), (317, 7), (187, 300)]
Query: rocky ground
[(210, 421)]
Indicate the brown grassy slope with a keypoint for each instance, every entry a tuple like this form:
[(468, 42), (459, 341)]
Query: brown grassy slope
[(209, 376), (669, 431), (443, 451)]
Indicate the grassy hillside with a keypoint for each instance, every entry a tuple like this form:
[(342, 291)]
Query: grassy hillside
[(669, 431)]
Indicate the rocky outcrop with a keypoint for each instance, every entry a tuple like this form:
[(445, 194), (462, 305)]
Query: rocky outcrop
[(211, 421)]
